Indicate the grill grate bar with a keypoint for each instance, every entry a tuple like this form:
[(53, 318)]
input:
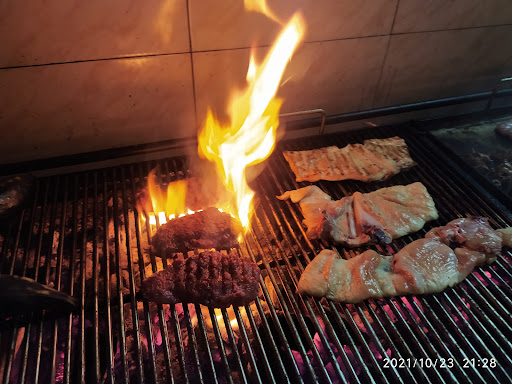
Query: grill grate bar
[(147, 315), (220, 344), (108, 313), (283, 233), (134, 309), (119, 291), (291, 362), (296, 309), (161, 316), (389, 322), (305, 303), (288, 318), (298, 223)]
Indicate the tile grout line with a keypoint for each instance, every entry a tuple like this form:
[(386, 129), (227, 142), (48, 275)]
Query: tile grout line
[(192, 65), (385, 56), (138, 56)]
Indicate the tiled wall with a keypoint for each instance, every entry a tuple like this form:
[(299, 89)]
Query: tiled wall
[(78, 76)]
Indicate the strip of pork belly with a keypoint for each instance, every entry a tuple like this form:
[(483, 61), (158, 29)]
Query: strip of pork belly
[(428, 265), (376, 159), (375, 217)]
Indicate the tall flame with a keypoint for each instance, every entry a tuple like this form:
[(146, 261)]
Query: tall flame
[(164, 205), (254, 117)]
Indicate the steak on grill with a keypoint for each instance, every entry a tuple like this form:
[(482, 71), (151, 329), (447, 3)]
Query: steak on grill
[(210, 278), (202, 230)]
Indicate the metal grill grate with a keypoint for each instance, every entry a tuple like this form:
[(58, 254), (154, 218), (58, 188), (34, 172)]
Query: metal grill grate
[(83, 236)]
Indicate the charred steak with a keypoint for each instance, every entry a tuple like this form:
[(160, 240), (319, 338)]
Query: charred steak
[(202, 230), (210, 278)]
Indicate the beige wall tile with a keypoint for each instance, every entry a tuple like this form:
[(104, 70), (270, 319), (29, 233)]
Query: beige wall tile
[(431, 65), (338, 76), (36, 32), (78, 107), (432, 15), (225, 24)]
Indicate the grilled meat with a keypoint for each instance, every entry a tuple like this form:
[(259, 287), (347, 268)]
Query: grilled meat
[(202, 230), (375, 217), (210, 278), (442, 259), (376, 159)]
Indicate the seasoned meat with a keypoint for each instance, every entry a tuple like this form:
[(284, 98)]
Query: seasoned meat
[(202, 230), (376, 159), (375, 217), (442, 259), (210, 278)]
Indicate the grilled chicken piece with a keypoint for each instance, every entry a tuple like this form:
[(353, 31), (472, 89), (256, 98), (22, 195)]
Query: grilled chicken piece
[(202, 230), (210, 278), (375, 217), (442, 259), (313, 202), (376, 159)]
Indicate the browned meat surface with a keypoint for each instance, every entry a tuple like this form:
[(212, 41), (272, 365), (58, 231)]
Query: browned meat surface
[(376, 159), (210, 278), (442, 259), (375, 217), (202, 230)]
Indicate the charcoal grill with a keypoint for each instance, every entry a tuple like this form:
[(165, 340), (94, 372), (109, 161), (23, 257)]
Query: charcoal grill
[(84, 236)]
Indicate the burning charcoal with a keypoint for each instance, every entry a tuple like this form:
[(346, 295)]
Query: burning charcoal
[(14, 192), (272, 293)]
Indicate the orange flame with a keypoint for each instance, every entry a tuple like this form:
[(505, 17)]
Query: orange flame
[(261, 7), (254, 114), (165, 205)]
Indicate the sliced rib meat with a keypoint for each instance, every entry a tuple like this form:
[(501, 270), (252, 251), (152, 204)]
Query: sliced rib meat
[(376, 159)]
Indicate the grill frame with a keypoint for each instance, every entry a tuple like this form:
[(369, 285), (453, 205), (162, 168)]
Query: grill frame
[(91, 335)]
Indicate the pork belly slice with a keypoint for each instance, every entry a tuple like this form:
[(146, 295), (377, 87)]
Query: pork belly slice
[(442, 259), (375, 217), (376, 159), (202, 230), (210, 278)]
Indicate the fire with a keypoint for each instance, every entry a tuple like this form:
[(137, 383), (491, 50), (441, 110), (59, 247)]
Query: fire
[(165, 205), (254, 114), (248, 140), (261, 7)]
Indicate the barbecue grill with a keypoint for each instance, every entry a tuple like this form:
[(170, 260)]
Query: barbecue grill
[(83, 235)]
